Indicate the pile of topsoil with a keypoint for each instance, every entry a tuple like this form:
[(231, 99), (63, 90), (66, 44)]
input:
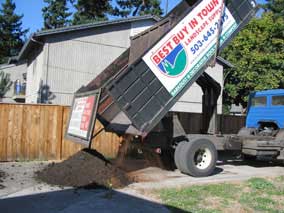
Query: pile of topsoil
[(87, 168)]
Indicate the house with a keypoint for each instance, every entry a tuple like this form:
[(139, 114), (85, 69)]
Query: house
[(237, 110), (60, 61)]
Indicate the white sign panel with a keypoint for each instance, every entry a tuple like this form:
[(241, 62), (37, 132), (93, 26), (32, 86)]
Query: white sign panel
[(189, 45), (81, 116)]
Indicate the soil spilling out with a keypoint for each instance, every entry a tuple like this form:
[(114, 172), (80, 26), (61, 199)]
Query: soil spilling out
[(136, 158), (88, 169), (133, 156)]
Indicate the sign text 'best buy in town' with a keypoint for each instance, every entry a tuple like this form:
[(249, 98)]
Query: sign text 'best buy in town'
[(189, 45)]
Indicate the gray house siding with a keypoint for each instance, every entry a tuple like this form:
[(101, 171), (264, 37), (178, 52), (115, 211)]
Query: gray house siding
[(138, 27), (69, 61), (36, 72)]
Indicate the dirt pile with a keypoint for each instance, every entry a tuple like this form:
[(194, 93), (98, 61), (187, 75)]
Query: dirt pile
[(87, 168)]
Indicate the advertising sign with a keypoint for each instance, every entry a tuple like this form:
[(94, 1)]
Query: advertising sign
[(82, 117), (178, 56)]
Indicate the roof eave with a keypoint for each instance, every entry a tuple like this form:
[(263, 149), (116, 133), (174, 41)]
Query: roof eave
[(30, 43), (94, 24)]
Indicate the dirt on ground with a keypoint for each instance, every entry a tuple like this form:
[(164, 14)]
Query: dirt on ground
[(88, 169), (3, 175)]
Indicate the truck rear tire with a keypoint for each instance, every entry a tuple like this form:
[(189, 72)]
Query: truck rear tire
[(198, 158), (178, 154)]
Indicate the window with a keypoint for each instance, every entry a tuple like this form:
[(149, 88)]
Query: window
[(258, 101), (278, 100)]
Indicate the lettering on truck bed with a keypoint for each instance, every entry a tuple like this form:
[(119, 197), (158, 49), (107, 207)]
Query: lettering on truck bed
[(189, 45)]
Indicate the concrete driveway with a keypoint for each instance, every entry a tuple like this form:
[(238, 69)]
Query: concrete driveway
[(155, 178), (22, 193)]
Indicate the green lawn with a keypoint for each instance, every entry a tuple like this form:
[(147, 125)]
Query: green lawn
[(254, 195)]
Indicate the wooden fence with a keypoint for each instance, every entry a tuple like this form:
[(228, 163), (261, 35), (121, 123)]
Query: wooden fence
[(231, 124), (226, 124), (36, 132)]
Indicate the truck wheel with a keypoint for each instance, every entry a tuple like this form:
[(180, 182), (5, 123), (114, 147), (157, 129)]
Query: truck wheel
[(178, 153), (198, 158)]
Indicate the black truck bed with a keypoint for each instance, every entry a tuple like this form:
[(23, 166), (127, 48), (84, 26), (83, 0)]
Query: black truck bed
[(133, 98)]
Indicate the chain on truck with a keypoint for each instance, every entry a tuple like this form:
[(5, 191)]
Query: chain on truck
[(134, 94)]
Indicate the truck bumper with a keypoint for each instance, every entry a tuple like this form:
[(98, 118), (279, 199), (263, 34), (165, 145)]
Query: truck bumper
[(260, 147)]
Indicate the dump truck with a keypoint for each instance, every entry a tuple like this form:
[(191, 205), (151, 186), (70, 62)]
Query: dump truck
[(134, 94)]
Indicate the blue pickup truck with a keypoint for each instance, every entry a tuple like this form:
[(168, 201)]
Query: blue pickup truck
[(264, 131)]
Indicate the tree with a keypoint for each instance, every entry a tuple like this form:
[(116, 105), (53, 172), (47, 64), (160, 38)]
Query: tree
[(55, 14), (11, 32), (258, 55), (275, 6), (5, 83), (137, 8), (90, 11), (2, 48)]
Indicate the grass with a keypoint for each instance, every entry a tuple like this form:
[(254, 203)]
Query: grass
[(254, 195)]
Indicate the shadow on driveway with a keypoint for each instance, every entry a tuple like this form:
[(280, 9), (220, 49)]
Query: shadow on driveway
[(84, 201)]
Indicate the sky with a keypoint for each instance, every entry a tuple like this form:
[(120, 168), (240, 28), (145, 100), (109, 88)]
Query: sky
[(31, 9)]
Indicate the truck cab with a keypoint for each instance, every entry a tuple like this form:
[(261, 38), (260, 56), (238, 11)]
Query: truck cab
[(266, 111), (263, 135)]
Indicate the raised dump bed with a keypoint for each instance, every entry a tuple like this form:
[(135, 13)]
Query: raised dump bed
[(139, 88), (142, 85)]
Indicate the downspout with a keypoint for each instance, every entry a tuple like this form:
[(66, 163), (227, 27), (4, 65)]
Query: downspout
[(47, 67), (40, 89)]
